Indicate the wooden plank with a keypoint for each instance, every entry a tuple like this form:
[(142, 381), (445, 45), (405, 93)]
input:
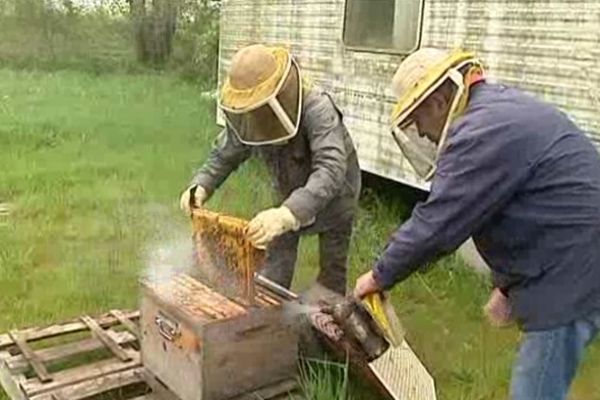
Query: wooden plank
[(31, 357), (89, 388), (10, 382), (101, 335), (72, 376), (403, 374), (36, 333), (18, 363), (127, 323)]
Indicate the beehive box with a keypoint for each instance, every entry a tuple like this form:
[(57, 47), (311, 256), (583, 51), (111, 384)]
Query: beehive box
[(210, 334), (205, 346)]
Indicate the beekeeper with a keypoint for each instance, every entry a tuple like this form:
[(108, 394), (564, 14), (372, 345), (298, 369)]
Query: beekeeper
[(298, 131), (522, 179)]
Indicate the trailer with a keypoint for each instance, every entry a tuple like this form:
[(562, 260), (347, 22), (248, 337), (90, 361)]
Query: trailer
[(351, 48)]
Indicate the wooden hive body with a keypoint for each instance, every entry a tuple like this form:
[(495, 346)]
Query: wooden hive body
[(204, 346), (209, 344)]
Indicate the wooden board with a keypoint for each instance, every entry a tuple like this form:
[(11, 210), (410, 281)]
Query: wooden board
[(18, 363), (92, 387), (35, 333), (403, 375), (102, 336), (10, 380), (31, 357), (132, 327)]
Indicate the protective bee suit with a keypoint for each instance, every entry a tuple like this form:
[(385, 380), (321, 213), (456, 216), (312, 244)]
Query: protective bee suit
[(299, 133)]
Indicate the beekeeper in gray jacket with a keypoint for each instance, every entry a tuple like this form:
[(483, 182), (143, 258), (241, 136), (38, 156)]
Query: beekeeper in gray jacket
[(299, 133)]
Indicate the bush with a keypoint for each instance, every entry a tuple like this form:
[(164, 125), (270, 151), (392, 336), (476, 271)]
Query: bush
[(195, 52), (178, 36)]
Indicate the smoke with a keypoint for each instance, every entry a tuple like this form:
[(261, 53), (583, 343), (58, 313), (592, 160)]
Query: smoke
[(293, 309), (168, 258), (170, 249)]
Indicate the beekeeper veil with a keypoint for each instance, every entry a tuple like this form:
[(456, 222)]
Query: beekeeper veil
[(417, 78), (262, 95)]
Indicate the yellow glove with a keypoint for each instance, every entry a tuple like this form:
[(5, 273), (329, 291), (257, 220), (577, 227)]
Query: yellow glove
[(187, 201), (269, 224)]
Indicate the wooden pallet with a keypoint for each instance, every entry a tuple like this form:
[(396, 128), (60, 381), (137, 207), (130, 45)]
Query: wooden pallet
[(32, 369)]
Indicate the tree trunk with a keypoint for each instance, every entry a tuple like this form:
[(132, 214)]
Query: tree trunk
[(155, 27)]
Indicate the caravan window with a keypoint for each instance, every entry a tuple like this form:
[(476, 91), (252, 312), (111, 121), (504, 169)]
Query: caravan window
[(384, 25)]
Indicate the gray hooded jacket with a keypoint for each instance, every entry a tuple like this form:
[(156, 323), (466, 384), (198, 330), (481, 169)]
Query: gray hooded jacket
[(315, 174)]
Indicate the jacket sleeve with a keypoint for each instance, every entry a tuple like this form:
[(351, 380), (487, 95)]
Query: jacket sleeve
[(227, 154), (477, 174), (326, 134)]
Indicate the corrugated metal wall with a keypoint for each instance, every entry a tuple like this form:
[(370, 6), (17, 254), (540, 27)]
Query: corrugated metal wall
[(547, 47)]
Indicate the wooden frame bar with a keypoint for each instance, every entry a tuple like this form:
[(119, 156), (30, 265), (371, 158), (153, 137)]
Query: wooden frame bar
[(101, 335), (32, 358)]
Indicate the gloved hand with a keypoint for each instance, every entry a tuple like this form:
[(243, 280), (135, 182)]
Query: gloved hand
[(192, 197), (498, 310), (269, 224)]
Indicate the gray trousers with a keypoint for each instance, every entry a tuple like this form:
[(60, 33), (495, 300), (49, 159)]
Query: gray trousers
[(334, 244)]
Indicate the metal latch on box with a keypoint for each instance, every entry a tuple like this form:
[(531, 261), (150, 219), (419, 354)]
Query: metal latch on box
[(167, 328)]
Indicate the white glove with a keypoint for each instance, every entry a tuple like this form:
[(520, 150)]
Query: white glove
[(188, 201), (269, 224), (498, 310)]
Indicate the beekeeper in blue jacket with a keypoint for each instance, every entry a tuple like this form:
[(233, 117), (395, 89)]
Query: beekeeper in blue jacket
[(521, 178)]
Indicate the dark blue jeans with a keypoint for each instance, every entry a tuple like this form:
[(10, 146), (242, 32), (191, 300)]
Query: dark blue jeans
[(548, 360)]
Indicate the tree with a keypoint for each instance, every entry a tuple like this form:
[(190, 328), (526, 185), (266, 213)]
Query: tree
[(155, 23)]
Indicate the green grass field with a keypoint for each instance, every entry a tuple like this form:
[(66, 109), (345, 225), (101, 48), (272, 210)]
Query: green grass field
[(91, 168)]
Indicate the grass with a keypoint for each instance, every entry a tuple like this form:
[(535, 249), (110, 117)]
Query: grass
[(92, 167), (321, 380)]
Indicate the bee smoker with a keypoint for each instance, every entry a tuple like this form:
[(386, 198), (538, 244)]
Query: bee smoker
[(359, 326)]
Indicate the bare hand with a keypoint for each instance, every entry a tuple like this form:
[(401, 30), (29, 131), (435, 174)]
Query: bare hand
[(498, 310), (365, 285)]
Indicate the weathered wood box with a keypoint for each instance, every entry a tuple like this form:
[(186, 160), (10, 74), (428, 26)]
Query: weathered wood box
[(211, 334), (204, 346)]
